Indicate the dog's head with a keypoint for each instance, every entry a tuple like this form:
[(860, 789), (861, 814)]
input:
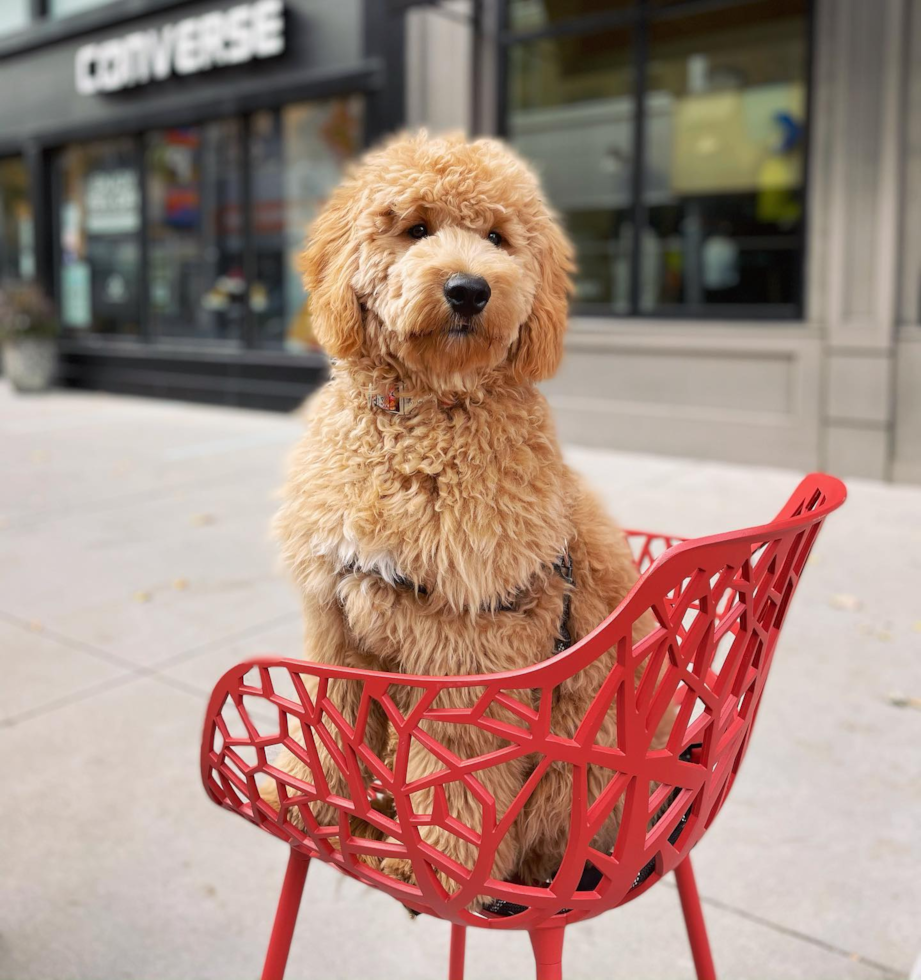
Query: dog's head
[(443, 254)]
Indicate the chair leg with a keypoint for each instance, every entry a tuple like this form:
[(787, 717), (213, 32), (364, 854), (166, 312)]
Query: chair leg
[(694, 920), (547, 944), (458, 946), (285, 917)]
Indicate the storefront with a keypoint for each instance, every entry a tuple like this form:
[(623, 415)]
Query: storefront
[(741, 179), (157, 174)]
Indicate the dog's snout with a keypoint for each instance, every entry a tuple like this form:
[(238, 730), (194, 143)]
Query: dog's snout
[(467, 295)]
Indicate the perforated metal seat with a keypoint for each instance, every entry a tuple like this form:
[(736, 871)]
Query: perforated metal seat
[(719, 604)]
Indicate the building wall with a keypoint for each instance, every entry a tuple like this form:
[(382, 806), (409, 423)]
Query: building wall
[(907, 400), (865, 44), (841, 389), (439, 45)]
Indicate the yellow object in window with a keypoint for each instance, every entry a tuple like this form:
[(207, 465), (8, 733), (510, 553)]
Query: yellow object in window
[(776, 202)]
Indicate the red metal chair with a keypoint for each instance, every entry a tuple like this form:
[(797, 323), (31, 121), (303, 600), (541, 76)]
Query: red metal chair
[(719, 603)]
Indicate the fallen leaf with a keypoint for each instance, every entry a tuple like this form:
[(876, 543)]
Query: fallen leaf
[(884, 635), (180, 584), (200, 520), (904, 701), (916, 627), (36, 626), (844, 601), (142, 597)]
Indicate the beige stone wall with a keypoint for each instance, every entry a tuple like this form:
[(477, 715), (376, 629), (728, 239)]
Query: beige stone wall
[(439, 46), (907, 408)]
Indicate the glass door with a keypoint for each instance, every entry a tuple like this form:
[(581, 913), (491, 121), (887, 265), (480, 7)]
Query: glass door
[(195, 233), (99, 227)]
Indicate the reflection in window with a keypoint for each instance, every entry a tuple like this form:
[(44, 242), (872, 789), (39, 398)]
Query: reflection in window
[(571, 112), (721, 165), (17, 231), (100, 221), (195, 233), (297, 156)]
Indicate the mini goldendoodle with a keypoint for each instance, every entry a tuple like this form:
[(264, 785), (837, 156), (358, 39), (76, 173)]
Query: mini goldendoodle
[(428, 518)]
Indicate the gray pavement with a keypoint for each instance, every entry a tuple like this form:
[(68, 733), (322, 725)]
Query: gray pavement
[(136, 566)]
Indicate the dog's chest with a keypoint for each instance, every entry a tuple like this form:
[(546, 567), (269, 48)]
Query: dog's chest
[(466, 509)]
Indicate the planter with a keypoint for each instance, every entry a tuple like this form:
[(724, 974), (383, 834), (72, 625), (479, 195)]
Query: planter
[(30, 362)]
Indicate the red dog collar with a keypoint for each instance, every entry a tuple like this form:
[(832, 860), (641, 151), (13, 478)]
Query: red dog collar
[(392, 400)]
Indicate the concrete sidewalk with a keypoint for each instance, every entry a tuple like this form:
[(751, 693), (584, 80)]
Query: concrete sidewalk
[(136, 566)]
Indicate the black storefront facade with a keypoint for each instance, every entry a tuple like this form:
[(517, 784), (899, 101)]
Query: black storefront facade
[(159, 163)]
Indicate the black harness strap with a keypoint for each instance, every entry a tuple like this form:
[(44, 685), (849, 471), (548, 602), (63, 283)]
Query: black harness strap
[(562, 566)]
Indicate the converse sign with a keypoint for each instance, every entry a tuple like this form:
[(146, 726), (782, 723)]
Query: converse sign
[(223, 37)]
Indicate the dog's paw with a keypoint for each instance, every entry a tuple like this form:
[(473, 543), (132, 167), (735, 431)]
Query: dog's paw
[(402, 870), (369, 861), (399, 868)]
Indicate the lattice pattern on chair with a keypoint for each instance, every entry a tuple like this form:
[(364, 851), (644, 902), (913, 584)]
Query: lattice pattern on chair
[(718, 603)]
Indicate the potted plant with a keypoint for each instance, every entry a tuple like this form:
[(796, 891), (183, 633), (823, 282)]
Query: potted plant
[(28, 328)]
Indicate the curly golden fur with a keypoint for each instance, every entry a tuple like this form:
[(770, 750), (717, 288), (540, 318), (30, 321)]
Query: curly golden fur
[(466, 493)]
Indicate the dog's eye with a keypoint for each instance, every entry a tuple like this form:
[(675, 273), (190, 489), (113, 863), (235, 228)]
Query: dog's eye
[(418, 231), (495, 238)]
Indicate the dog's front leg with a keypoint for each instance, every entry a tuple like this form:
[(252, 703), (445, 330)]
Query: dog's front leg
[(328, 642), (502, 782), (346, 696)]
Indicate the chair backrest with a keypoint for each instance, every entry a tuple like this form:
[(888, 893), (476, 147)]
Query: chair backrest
[(719, 604)]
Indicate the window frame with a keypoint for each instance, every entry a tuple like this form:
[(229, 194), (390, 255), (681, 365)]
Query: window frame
[(638, 18)]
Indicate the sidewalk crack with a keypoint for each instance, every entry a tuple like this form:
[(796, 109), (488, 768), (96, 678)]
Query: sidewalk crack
[(828, 947)]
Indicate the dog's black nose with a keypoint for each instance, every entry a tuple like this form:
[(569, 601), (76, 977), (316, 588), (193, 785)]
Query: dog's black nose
[(467, 295)]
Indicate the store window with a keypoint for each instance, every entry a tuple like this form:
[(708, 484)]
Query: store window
[(571, 111), (297, 155), (192, 234), (14, 15), (17, 230), (99, 225), (197, 284), (694, 207)]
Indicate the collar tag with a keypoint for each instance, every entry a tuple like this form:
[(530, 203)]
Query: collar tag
[(389, 401)]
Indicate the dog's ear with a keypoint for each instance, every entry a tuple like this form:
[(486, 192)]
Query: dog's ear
[(540, 339), (328, 264)]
